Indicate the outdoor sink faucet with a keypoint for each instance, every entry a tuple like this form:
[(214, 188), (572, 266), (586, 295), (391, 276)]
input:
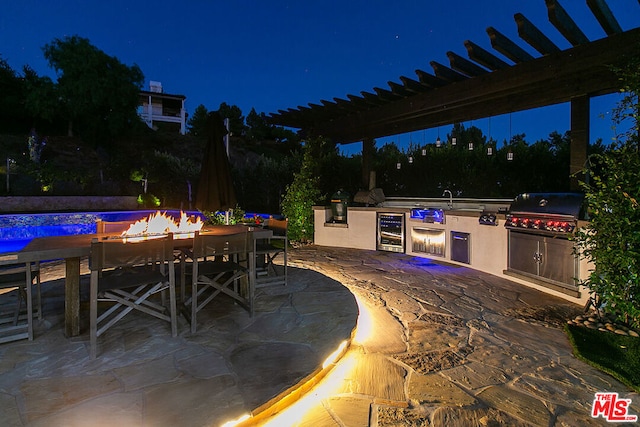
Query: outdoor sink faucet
[(450, 202)]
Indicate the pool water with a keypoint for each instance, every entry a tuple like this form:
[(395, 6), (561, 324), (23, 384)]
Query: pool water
[(17, 230)]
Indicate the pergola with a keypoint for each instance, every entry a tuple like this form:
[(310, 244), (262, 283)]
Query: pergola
[(483, 85)]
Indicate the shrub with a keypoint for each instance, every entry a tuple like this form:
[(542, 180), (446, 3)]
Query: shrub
[(611, 240), (303, 193), (236, 216)]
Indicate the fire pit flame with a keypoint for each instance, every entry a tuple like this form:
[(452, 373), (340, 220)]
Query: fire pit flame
[(161, 223)]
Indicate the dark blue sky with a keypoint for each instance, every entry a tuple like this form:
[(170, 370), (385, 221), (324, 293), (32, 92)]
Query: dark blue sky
[(273, 55)]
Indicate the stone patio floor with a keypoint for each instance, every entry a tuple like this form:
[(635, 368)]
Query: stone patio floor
[(446, 346)]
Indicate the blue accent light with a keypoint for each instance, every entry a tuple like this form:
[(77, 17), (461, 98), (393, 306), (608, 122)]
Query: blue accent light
[(17, 230), (431, 215)]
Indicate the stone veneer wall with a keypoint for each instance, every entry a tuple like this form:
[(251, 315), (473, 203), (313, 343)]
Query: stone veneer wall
[(11, 204)]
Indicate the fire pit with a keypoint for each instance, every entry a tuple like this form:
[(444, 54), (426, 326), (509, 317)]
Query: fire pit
[(161, 223), (17, 230)]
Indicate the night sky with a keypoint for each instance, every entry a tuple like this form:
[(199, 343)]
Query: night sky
[(273, 55)]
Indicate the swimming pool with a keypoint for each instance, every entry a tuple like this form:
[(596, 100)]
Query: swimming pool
[(17, 230)]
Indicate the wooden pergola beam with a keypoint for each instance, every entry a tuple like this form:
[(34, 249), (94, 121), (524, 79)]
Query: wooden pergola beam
[(603, 14), (579, 139), (400, 90), (467, 91), (446, 73), (484, 57), (346, 105), (430, 80), (360, 101), (507, 47), (547, 80), (413, 85), (465, 66), (387, 95), (532, 35), (373, 99), (563, 22)]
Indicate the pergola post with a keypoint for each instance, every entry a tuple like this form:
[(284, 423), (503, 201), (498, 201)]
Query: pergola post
[(579, 139), (368, 148)]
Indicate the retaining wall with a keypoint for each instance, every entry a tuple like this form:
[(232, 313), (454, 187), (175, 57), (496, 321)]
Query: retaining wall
[(26, 204)]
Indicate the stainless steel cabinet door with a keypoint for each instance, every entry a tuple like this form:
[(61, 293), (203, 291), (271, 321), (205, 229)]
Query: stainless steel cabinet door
[(524, 252), (558, 261)]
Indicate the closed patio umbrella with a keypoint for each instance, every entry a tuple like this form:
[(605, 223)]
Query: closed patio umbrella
[(215, 187)]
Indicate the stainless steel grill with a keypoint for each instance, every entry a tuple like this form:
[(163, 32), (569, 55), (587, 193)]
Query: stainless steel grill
[(554, 214), (540, 225)]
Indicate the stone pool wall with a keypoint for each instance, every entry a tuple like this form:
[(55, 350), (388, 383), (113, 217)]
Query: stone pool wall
[(29, 204), (18, 229)]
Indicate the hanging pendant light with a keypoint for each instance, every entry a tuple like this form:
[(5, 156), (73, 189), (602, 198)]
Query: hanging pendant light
[(398, 165), (489, 146), (454, 140), (510, 153), (438, 142), (410, 159), (471, 146), (424, 152)]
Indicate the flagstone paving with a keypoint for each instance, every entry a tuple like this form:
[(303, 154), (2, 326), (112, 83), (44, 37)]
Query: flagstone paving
[(456, 347), (449, 346), (142, 376)]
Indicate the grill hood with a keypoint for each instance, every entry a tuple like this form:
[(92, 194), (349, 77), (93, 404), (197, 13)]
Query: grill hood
[(566, 204)]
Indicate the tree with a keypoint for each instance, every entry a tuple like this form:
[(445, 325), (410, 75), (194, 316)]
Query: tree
[(236, 119), (303, 193), (98, 95), (257, 127), (278, 172), (41, 96), (197, 124), (287, 136), (12, 115), (611, 240)]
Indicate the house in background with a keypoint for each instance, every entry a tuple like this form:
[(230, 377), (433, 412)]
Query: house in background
[(162, 110)]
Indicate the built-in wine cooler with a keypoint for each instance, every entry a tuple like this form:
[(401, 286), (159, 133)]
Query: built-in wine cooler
[(390, 232)]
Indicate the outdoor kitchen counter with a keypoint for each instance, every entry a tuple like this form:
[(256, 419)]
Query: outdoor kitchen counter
[(360, 230), (488, 244)]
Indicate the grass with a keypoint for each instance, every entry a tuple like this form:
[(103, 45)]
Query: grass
[(617, 355)]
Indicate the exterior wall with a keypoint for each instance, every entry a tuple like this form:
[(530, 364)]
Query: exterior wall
[(152, 109), (358, 233)]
